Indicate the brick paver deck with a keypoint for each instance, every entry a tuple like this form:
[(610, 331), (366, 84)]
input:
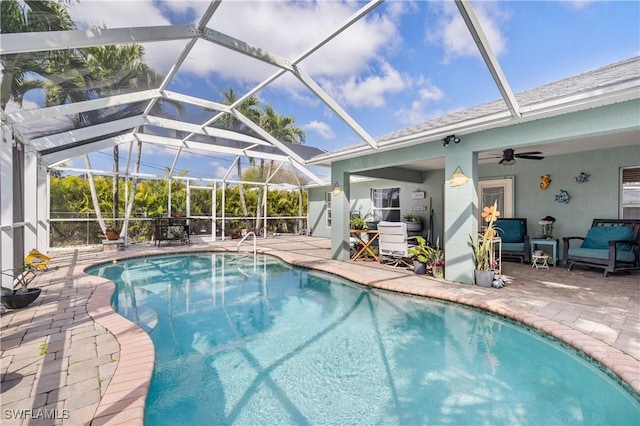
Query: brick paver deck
[(69, 359)]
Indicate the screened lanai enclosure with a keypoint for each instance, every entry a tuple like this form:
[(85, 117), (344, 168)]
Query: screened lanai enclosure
[(115, 114)]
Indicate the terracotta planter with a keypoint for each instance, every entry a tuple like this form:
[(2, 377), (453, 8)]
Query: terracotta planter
[(20, 300), (112, 235), (483, 278)]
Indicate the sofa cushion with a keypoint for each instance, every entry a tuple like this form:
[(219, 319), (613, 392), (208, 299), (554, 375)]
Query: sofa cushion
[(511, 231), (621, 255), (510, 247), (598, 237)]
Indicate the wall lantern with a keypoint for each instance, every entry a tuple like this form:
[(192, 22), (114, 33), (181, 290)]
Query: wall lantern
[(336, 189), (458, 178)]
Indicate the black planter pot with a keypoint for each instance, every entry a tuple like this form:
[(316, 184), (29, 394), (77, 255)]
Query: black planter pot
[(419, 267), (373, 225), (20, 300)]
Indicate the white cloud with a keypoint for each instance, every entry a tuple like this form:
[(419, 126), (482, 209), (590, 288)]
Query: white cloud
[(369, 91), (123, 14), (579, 4), (321, 128), (417, 111), (218, 171), (451, 33), (284, 28)]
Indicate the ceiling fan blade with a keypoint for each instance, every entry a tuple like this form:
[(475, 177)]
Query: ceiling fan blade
[(529, 157), (529, 153)]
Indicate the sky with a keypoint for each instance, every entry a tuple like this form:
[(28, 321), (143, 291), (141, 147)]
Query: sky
[(405, 63)]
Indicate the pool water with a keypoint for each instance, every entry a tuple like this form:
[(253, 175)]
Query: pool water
[(244, 341)]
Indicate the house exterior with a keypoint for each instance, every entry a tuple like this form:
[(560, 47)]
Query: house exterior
[(589, 123)]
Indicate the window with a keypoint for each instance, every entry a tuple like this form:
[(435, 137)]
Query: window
[(327, 201), (630, 193), (385, 204)]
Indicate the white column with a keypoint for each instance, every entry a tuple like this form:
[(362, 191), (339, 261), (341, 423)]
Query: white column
[(42, 224), (6, 203), (187, 212), (31, 200), (214, 213)]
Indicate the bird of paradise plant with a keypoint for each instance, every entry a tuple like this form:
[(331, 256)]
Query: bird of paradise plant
[(481, 244)]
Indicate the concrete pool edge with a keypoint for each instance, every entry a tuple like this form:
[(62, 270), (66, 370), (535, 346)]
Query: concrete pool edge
[(126, 394), (124, 399)]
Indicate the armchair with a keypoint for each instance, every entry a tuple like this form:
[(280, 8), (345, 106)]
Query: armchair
[(515, 240)]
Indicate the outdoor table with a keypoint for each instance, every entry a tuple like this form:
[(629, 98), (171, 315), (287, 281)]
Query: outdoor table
[(372, 235)]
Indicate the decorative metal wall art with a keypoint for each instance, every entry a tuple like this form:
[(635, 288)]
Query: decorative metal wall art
[(563, 197), (545, 180), (582, 177)]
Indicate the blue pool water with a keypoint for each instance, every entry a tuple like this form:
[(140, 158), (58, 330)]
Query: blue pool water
[(257, 342)]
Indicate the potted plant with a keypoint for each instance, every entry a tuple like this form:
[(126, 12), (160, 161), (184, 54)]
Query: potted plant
[(422, 255), (437, 268), (23, 296), (112, 232), (357, 222), (482, 246), (437, 264), (413, 221), (370, 223)]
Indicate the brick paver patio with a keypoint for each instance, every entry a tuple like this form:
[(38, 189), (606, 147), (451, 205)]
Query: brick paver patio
[(69, 359)]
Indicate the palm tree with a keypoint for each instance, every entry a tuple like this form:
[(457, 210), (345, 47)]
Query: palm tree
[(18, 16), (249, 109), (282, 128), (117, 69)]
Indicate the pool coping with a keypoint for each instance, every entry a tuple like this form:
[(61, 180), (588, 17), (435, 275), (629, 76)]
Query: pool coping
[(124, 399)]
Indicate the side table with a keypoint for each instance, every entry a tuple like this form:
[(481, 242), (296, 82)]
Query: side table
[(541, 242), (540, 261)]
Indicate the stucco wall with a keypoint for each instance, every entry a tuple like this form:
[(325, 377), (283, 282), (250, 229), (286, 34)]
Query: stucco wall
[(597, 198)]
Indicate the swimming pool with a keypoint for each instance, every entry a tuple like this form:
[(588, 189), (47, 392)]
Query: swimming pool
[(263, 342)]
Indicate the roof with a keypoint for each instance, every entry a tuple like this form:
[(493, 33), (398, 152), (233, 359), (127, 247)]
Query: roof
[(601, 86)]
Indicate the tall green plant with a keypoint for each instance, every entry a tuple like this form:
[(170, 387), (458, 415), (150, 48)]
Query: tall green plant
[(422, 252), (482, 244)]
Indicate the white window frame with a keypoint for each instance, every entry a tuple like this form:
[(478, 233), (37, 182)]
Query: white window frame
[(629, 207), (377, 211)]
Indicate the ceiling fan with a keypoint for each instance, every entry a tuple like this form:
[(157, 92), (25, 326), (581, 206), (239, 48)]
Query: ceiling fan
[(509, 156)]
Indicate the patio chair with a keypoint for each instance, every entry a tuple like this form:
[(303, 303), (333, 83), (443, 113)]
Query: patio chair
[(394, 244), (515, 240)]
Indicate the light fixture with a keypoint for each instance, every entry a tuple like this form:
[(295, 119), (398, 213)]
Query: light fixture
[(336, 189), (448, 139), (458, 178)]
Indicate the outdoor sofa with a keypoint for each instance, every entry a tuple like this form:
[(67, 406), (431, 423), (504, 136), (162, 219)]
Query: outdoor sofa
[(610, 244)]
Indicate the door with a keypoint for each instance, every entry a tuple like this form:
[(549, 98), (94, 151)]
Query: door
[(500, 190)]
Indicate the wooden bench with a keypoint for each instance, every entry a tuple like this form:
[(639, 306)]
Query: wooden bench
[(610, 244)]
